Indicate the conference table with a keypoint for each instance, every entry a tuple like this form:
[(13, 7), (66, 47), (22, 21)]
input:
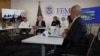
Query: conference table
[(44, 40), (24, 27), (8, 28), (41, 28), (11, 30)]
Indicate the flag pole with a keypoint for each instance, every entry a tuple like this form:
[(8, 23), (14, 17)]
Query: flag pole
[(39, 9), (39, 2)]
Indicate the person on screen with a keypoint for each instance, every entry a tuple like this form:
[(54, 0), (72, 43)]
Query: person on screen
[(9, 16), (5, 18), (40, 23), (12, 18), (55, 22), (19, 18), (5, 15), (76, 39), (25, 25)]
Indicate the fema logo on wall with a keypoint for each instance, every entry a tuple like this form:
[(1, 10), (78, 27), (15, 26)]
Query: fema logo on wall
[(49, 10), (63, 18)]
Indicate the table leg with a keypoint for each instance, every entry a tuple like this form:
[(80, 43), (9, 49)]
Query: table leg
[(42, 50), (11, 33)]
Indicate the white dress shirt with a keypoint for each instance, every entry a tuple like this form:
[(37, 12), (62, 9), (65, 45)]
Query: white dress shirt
[(39, 24), (24, 24)]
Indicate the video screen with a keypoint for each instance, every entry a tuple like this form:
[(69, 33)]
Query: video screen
[(91, 14), (88, 15), (12, 15)]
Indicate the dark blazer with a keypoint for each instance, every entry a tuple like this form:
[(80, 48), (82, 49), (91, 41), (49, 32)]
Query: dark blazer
[(42, 25), (77, 37), (56, 23)]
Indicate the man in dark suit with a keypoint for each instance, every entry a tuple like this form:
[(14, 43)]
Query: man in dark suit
[(76, 38), (39, 24)]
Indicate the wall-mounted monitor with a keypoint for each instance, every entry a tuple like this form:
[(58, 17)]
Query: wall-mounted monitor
[(13, 15), (91, 15)]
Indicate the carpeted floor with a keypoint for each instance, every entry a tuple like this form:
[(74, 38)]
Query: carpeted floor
[(9, 47), (14, 47)]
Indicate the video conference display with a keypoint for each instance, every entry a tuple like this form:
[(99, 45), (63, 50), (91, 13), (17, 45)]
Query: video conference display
[(12, 15), (88, 15), (91, 15)]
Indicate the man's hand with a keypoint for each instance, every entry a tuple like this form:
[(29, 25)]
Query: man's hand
[(64, 34)]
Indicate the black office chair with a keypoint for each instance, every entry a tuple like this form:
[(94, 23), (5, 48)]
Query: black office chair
[(91, 38), (95, 50), (98, 35)]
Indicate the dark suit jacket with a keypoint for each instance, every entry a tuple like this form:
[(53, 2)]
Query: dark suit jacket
[(42, 25), (56, 23), (77, 37)]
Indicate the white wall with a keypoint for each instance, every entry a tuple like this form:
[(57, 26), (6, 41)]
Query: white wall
[(31, 6)]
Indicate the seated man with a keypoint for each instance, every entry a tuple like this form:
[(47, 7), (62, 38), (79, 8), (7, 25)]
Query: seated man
[(40, 24), (25, 26), (76, 38)]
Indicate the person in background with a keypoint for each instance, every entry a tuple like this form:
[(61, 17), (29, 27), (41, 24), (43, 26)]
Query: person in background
[(76, 38), (40, 23), (55, 22), (70, 22), (66, 30), (24, 24), (69, 19)]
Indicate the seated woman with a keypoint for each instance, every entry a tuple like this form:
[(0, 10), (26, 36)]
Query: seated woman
[(69, 26), (70, 22), (25, 25), (55, 22)]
